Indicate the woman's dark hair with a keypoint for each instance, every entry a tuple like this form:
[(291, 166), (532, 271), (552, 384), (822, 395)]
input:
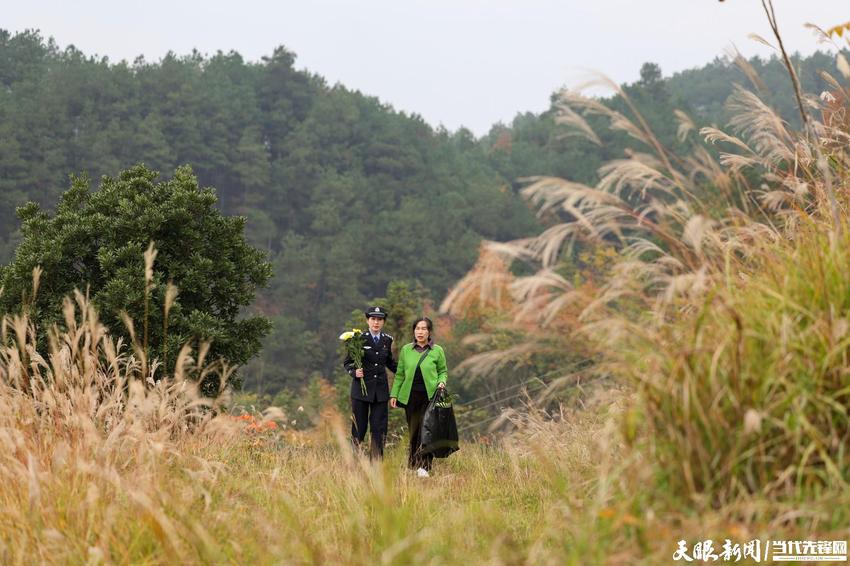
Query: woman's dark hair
[(427, 321)]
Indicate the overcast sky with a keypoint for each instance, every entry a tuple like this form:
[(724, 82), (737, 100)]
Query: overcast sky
[(455, 62)]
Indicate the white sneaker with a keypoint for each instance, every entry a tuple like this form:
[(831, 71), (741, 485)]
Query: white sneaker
[(422, 473)]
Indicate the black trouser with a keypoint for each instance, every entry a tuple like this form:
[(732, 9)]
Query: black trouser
[(374, 415), (415, 410)]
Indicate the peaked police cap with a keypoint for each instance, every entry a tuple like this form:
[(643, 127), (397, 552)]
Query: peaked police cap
[(379, 312)]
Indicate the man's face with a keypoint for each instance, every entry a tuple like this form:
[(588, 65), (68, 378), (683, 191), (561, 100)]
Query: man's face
[(376, 324)]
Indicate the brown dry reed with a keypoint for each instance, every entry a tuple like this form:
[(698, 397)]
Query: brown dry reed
[(101, 463), (726, 310)]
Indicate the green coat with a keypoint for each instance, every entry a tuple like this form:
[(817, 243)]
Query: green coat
[(433, 371)]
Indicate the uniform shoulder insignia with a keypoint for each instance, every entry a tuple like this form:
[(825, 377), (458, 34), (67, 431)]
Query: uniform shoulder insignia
[(389, 336)]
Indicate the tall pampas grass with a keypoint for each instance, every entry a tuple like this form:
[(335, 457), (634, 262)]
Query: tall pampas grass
[(103, 463), (86, 417), (726, 310)]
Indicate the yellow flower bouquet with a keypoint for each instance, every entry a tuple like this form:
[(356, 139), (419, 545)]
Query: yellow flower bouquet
[(354, 345)]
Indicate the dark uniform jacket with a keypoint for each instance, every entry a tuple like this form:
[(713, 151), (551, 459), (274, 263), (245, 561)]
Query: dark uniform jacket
[(376, 360)]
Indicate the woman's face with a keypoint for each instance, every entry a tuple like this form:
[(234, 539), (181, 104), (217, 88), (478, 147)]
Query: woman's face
[(421, 331), (376, 323)]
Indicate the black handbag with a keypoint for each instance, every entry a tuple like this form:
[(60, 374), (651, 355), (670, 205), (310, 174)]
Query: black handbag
[(439, 428)]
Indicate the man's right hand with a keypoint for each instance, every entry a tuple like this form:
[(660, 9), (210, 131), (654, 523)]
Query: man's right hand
[(393, 402), (358, 373)]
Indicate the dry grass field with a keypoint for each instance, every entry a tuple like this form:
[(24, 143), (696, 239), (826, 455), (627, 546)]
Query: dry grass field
[(723, 325)]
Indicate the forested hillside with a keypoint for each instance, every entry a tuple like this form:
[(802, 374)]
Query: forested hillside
[(345, 193), (533, 144)]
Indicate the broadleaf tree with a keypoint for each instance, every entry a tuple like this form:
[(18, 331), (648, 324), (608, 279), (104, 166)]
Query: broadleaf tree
[(96, 240)]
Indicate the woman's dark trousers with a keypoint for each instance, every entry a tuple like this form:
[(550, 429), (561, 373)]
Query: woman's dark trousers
[(374, 416), (415, 410)]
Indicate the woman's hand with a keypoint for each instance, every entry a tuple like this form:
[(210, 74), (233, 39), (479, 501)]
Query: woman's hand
[(358, 373), (441, 385), (393, 402)]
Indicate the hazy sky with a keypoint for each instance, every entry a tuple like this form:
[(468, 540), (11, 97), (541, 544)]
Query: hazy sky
[(455, 62)]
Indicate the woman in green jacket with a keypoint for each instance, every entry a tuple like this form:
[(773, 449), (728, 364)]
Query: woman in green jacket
[(421, 370)]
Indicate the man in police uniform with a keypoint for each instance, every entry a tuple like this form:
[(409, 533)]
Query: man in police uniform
[(371, 409)]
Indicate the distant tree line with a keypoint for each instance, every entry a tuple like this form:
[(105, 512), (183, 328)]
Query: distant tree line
[(345, 194)]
